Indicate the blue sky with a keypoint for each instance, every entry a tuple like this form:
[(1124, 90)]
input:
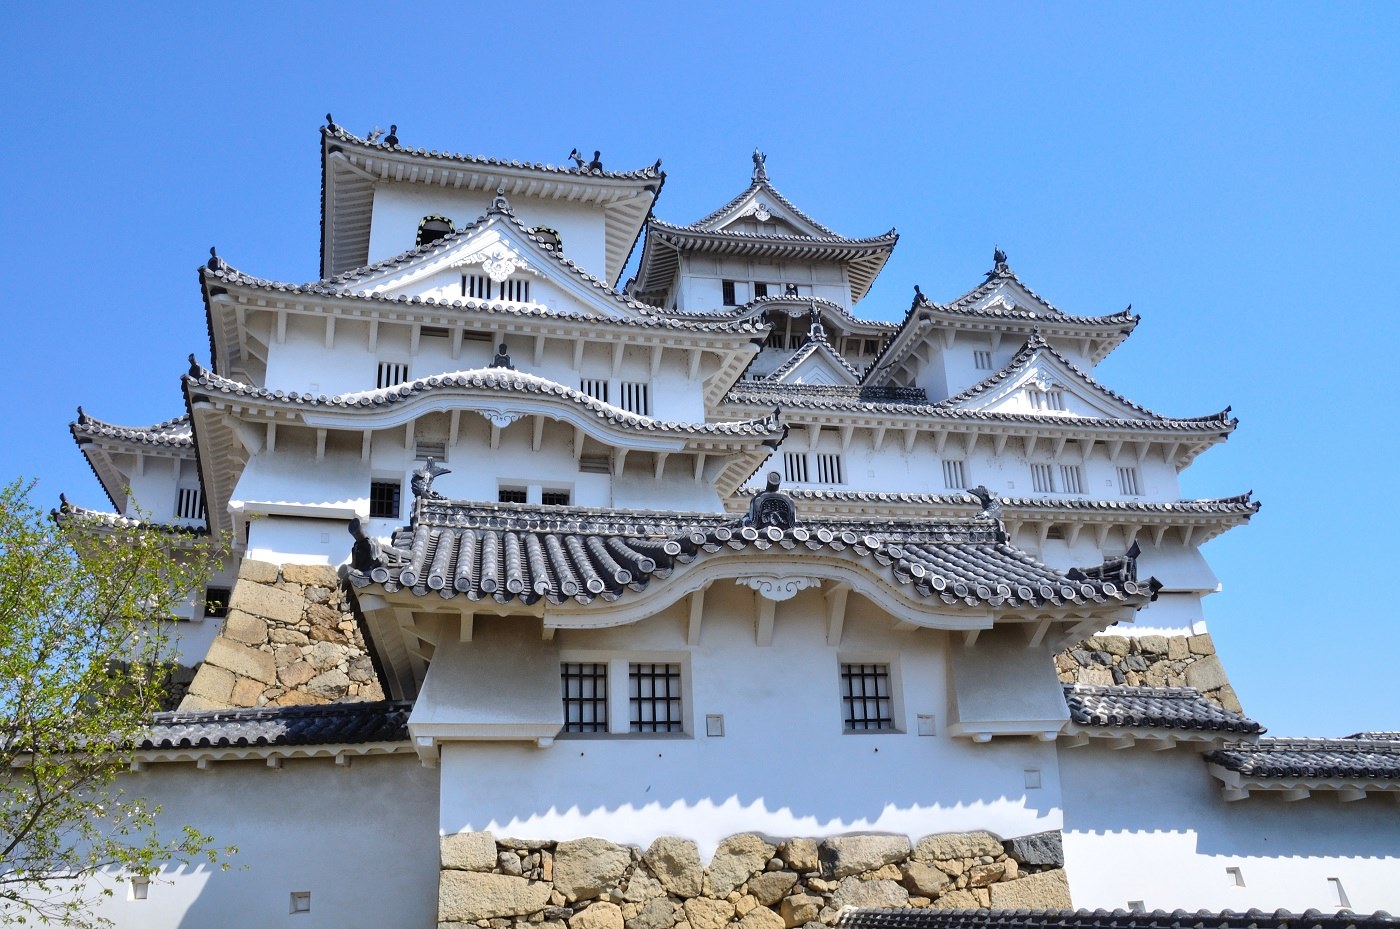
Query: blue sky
[(1229, 170)]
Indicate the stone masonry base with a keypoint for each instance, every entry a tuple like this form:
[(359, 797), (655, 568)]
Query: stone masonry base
[(1149, 661), (753, 882)]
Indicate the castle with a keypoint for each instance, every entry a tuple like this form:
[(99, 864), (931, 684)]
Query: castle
[(698, 599)]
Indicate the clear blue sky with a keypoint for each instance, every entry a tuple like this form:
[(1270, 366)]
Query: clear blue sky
[(1228, 169)]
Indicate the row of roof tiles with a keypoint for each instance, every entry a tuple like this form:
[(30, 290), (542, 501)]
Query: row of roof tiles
[(1239, 504), (1105, 919), (173, 433), (1345, 759), (1181, 708)]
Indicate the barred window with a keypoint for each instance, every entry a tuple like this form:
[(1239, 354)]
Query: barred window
[(795, 467), (391, 373), (982, 359), (1128, 484), (655, 697), (865, 697), (554, 497), (189, 503), (516, 290), (1050, 400), (585, 692), (216, 601), (760, 289), (954, 475), (829, 468), (636, 398), (476, 286), (727, 290), (595, 387), (510, 495), (384, 499), (1072, 479), (1043, 478), (422, 450)]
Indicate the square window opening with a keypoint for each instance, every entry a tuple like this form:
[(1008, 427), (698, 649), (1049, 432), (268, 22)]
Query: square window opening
[(216, 602), (585, 693), (384, 499), (510, 495), (654, 693), (866, 703)]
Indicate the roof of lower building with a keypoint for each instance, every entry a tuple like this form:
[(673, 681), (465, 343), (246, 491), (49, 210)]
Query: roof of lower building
[(173, 433), (339, 723), (1125, 707), (1351, 758), (1105, 919), (506, 552)]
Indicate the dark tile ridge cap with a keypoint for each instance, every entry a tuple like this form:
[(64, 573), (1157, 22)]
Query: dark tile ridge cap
[(1376, 735), (1237, 504), (759, 304), (883, 239), (1136, 709), (482, 378), (174, 432), (1345, 744), (240, 714), (755, 185), (651, 172), (71, 511)]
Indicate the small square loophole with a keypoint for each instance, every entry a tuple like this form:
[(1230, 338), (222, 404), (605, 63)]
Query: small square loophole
[(714, 725), (301, 901)]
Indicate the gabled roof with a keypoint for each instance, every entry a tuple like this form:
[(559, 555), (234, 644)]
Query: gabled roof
[(351, 166), (101, 520), (1176, 708), (1002, 304), (844, 319), (812, 242), (819, 352), (97, 440), (344, 723)]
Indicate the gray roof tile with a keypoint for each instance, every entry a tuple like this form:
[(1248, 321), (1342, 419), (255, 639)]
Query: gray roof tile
[(340, 723), (1152, 708), (1351, 758), (1104, 919), (173, 433)]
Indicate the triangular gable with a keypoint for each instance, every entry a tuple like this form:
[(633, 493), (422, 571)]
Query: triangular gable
[(498, 246), (773, 212), (816, 363), (1037, 369), (1004, 292)]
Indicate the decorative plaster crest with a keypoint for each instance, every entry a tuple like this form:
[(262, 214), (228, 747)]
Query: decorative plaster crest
[(497, 260), (501, 418), (777, 588), (1001, 300), (761, 213)]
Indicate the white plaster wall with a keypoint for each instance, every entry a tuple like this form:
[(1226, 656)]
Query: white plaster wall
[(154, 489), (1151, 826), (701, 287), (951, 369), (398, 208), (362, 839), (783, 767)]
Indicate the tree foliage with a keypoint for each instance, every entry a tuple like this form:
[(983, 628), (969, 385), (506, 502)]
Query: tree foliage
[(81, 658)]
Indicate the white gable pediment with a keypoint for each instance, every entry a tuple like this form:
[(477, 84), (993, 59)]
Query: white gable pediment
[(497, 251), (819, 367), (1046, 387), (1010, 295), (762, 212)]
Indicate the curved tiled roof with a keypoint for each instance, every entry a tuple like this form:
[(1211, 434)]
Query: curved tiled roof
[(172, 433), (101, 519), (465, 550), (652, 172), (816, 342), (1347, 759), (1239, 504), (1120, 706), (504, 379), (341, 723), (884, 239), (758, 183), (828, 308), (1104, 919)]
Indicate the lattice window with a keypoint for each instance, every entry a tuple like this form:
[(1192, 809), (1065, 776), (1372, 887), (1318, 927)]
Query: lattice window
[(872, 346), (1043, 478), (510, 495), (954, 474), (477, 286), (865, 697), (189, 503), (1072, 479), (1128, 484), (216, 601), (384, 499), (654, 692), (516, 290), (727, 291), (982, 359), (391, 373), (585, 692), (1052, 400), (636, 397), (795, 467), (595, 387), (829, 468), (760, 289), (554, 497), (422, 451)]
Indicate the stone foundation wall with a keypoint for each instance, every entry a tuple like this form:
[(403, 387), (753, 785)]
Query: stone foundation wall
[(752, 882), (1149, 661), (290, 638)]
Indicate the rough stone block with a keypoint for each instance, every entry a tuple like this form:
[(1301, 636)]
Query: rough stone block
[(246, 692), (1206, 674), (761, 918), (285, 636), (193, 703), (324, 655), (214, 684), (737, 857), (299, 698), (241, 627), (842, 856), (585, 868), (676, 864), (296, 674), (262, 572), (799, 909), (1228, 699), (600, 915), (707, 913), (984, 874), (1177, 647), (268, 602), (957, 900), (924, 879), (1201, 644), (332, 684), (1113, 644), (1047, 890), (657, 913), (877, 894), (641, 886), (771, 886), (1042, 848), (951, 845), (1153, 644), (242, 660), (467, 896), (800, 854), (315, 574), (467, 851), (1095, 676)]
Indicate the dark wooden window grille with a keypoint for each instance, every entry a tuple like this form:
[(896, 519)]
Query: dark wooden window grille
[(476, 286), (655, 696), (554, 498), (391, 373), (189, 503), (585, 687), (727, 287), (510, 495), (865, 697), (518, 291), (216, 601), (760, 289), (384, 499)]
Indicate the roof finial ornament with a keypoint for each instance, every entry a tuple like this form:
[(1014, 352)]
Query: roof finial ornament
[(216, 263), (502, 359), (999, 257), (815, 333), (500, 204), (789, 290), (991, 503), (195, 369), (771, 507), (422, 482), (760, 165), (919, 298), (373, 136), (330, 124), (595, 165), (393, 137)]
